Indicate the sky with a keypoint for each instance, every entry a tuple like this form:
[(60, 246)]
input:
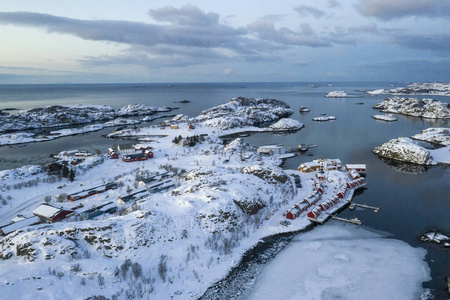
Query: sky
[(114, 41)]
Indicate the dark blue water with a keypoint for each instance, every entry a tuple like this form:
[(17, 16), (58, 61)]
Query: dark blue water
[(412, 202)]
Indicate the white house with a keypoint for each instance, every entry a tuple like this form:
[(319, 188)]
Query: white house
[(272, 149)]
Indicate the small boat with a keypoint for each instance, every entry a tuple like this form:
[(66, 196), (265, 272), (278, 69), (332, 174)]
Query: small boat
[(304, 109)]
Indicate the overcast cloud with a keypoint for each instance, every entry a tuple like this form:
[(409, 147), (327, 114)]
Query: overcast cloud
[(244, 41), (392, 9)]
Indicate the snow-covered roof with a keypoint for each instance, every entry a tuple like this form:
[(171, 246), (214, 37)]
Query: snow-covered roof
[(278, 146), (46, 211), (20, 224), (355, 166)]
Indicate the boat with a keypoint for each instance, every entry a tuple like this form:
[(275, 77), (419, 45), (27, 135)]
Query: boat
[(304, 109)]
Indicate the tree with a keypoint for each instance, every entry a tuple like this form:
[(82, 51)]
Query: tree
[(72, 175), (65, 172)]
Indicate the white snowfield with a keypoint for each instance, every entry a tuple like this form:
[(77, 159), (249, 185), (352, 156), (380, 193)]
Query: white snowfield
[(335, 261)]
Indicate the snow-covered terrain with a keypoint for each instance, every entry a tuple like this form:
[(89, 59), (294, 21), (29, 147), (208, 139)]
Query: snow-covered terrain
[(439, 136), (343, 262), (425, 108), (166, 244), (426, 88), (241, 112), (337, 94), (29, 137), (59, 115), (236, 116), (386, 117)]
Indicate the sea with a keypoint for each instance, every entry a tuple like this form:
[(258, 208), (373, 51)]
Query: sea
[(413, 199)]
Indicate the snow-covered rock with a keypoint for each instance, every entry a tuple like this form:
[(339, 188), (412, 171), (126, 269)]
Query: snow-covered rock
[(440, 136), (337, 94), (322, 119), (240, 112), (425, 108), (63, 115), (404, 149), (287, 124), (425, 88), (120, 121), (435, 237), (140, 109), (386, 117)]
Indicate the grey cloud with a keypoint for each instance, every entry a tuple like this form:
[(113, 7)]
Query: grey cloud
[(392, 9), (333, 4), (309, 10), (187, 15), (266, 30), (435, 43), (133, 33), (409, 70)]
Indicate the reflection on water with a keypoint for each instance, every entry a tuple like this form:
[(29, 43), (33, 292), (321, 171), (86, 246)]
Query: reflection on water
[(404, 167)]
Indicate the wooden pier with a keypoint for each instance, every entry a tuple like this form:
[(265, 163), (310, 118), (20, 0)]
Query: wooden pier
[(364, 207), (355, 221)]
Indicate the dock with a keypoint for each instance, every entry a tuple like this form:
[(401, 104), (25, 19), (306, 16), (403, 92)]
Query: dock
[(364, 207), (355, 221)]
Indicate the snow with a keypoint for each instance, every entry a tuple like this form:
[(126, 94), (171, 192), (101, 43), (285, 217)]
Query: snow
[(386, 117), (423, 88), (441, 155), (46, 211), (377, 92), (407, 150), (287, 124), (439, 135), (337, 94), (196, 231), (425, 108), (322, 119), (343, 262)]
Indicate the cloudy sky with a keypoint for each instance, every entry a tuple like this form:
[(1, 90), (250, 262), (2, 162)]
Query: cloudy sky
[(85, 41)]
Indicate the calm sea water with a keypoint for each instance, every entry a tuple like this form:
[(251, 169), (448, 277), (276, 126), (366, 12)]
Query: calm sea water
[(411, 202)]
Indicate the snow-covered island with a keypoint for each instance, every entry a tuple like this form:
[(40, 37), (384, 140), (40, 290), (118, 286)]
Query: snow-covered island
[(59, 115), (386, 117), (426, 88), (323, 119), (407, 150), (337, 94), (425, 108), (170, 224), (437, 136)]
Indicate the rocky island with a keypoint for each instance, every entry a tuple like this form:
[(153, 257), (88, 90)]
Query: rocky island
[(425, 108), (407, 150)]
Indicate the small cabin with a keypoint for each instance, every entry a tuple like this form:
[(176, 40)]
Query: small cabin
[(191, 127), (50, 214), (173, 126)]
